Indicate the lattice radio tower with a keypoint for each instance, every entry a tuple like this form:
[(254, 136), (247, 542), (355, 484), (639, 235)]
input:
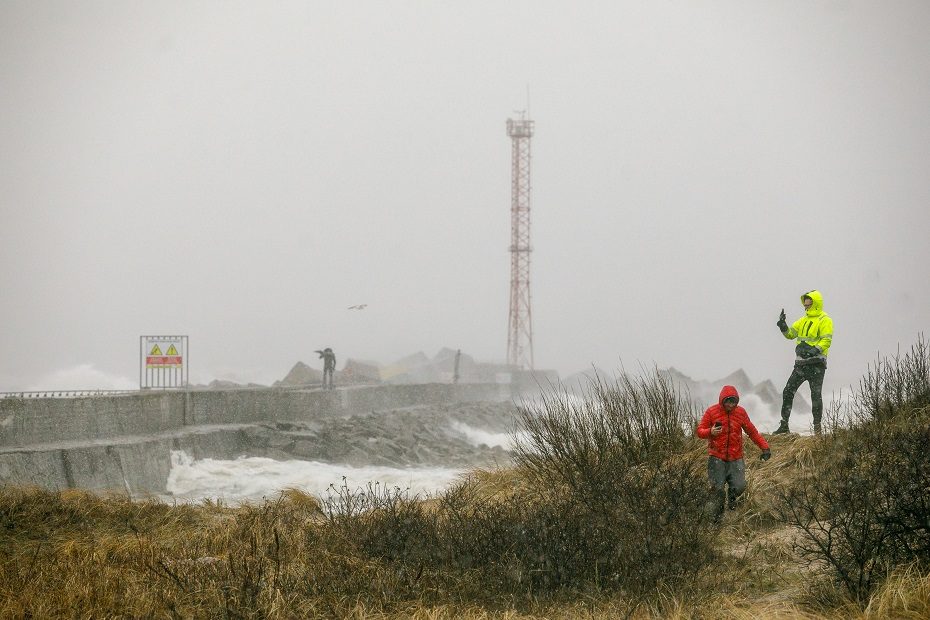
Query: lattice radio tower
[(520, 330)]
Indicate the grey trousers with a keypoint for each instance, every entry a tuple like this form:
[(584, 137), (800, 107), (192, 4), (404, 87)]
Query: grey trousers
[(727, 481)]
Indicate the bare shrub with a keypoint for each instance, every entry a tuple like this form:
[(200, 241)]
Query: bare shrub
[(612, 458), (894, 384), (865, 510), (580, 443)]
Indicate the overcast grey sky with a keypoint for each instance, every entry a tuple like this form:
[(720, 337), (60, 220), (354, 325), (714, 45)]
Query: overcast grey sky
[(242, 172)]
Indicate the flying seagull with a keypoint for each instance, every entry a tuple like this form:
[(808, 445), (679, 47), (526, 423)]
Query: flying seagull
[(357, 307)]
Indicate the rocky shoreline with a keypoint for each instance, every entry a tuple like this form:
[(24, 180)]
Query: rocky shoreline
[(428, 435)]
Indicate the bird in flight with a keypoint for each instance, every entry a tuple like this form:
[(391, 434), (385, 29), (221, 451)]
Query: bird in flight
[(357, 307)]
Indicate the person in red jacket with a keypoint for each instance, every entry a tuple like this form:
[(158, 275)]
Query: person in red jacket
[(722, 426)]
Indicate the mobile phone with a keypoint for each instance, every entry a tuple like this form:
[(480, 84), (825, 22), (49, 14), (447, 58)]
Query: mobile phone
[(718, 424)]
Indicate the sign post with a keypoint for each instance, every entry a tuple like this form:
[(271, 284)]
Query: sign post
[(163, 362)]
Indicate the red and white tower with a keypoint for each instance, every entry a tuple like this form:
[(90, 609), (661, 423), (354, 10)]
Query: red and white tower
[(520, 330)]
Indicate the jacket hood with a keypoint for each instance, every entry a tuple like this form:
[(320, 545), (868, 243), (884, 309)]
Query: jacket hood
[(817, 306), (726, 392)]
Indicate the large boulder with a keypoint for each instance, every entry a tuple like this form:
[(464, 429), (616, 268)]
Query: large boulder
[(738, 379), (299, 375), (414, 368), (358, 371)]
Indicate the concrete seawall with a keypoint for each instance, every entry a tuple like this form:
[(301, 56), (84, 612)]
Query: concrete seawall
[(123, 442)]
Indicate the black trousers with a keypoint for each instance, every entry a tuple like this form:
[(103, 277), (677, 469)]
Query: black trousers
[(813, 374)]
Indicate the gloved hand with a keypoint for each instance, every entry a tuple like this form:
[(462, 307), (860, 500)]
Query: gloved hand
[(766, 455), (782, 324), (806, 351)]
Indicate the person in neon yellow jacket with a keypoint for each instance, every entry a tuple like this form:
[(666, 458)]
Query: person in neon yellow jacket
[(814, 335)]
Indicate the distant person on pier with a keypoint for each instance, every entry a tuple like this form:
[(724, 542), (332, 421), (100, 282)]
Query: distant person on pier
[(722, 426), (814, 334), (329, 366)]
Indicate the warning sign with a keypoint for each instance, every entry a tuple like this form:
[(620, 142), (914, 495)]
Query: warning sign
[(163, 361), (170, 359)]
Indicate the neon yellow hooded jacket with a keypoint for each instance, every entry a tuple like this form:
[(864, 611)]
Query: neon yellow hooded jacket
[(815, 327)]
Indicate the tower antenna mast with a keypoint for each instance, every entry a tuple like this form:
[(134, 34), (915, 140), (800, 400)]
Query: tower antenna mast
[(520, 328)]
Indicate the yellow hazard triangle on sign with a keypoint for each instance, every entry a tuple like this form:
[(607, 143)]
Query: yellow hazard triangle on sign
[(171, 351), (156, 350)]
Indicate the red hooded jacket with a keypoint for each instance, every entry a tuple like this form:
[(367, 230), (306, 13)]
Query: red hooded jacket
[(728, 445)]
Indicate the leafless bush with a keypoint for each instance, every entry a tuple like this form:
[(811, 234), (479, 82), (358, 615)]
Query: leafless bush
[(582, 443), (895, 384), (612, 458), (865, 510)]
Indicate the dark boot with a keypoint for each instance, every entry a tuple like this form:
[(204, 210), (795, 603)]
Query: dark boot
[(734, 499), (715, 505), (782, 428)]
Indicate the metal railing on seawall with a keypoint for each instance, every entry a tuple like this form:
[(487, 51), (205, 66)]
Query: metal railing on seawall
[(190, 388), (64, 393)]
